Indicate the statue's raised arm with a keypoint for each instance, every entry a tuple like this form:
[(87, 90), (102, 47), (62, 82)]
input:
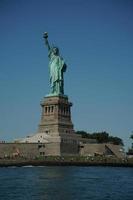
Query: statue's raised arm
[(57, 67), (45, 36)]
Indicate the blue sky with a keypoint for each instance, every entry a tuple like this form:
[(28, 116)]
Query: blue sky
[(95, 37)]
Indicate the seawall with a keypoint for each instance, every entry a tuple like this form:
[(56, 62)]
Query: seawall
[(20, 163)]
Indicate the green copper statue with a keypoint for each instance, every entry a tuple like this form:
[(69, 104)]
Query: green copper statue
[(57, 67)]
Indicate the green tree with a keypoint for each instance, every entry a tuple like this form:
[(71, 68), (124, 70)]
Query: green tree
[(83, 133), (102, 137), (116, 140)]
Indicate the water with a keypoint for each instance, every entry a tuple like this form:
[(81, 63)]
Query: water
[(66, 183)]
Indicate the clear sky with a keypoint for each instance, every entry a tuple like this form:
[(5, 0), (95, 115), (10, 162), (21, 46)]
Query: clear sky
[(95, 37)]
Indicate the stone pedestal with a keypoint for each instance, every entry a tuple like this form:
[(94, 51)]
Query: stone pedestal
[(56, 116), (57, 124)]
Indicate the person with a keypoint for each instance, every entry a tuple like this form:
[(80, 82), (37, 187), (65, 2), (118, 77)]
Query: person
[(57, 67)]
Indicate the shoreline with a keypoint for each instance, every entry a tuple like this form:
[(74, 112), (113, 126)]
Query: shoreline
[(21, 163)]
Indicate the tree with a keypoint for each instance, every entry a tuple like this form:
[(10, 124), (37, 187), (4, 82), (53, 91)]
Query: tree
[(115, 140), (102, 137), (83, 133)]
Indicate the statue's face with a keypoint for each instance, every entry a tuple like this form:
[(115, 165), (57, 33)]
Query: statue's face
[(55, 51)]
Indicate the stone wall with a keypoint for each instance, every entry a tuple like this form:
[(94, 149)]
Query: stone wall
[(33, 150), (92, 149), (69, 149), (63, 145), (28, 150), (21, 149), (102, 149), (53, 149)]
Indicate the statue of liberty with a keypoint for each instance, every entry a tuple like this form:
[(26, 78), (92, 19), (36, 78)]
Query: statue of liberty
[(57, 67)]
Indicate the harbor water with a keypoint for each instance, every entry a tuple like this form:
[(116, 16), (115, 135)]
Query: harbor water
[(66, 183)]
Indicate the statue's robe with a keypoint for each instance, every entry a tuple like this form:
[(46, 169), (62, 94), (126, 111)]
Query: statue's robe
[(56, 67)]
